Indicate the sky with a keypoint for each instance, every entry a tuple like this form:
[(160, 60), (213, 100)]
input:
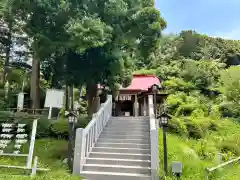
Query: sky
[(219, 18)]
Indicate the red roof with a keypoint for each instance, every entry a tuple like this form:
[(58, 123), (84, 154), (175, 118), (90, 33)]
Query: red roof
[(142, 82)]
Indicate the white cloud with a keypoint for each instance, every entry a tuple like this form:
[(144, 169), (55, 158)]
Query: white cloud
[(232, 34)]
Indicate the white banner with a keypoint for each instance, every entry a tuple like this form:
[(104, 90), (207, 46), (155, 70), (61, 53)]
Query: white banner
[(20, 101)]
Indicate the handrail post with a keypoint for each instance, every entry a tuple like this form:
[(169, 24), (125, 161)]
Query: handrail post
[(78, 151), (153, 140)]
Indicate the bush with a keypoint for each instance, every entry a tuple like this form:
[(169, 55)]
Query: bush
[(177, 126), (230, 144), (229, 109), (46, 128), (3, 104), (205, 149), (59, 129), (186, 109), (198, 127), (177, 84), (194, 129)]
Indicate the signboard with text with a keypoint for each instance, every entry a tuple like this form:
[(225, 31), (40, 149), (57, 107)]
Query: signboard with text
[(54, 98), (14, 137), (125, 97)]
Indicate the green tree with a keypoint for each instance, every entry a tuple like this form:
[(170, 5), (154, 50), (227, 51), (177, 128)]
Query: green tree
[(230, 84), (11, 35), (106, 41), (204, 73)]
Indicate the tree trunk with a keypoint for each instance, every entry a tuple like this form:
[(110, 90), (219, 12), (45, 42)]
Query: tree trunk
[(7, 51), (35, 80), (91, 98), (66, 99), (80, 92), (71, 97)]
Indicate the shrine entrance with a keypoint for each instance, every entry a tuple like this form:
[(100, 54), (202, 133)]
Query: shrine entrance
[(125, 105), (125, 108)]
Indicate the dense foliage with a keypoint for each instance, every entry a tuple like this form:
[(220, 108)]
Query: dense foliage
[(201, 75), (85, 43)]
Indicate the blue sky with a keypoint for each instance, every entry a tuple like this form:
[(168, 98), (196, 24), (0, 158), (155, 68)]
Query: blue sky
[(212, 17)]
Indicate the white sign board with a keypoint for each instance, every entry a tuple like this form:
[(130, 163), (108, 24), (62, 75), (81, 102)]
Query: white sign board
[(125, 97), (20, 101), (54, 98)]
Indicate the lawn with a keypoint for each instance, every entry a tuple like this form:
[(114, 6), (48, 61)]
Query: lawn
[(196, 155), (51, 154)]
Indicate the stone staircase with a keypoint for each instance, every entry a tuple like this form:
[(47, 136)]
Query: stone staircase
[(122, 151)]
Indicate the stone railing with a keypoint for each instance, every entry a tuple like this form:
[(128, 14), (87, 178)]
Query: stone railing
[(87, 137), (153, 139)]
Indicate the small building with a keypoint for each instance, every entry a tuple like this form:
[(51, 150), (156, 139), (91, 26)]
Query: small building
[(133, 100)]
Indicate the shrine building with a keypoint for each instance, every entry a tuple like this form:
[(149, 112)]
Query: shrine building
[(133, 100)]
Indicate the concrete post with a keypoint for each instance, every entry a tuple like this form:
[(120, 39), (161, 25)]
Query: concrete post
[(32, 144), (135, 105), (77, 160), (144, 106)]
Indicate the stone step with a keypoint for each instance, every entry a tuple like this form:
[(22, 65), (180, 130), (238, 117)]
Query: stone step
[(93, 175), (117, 168), (124, 162), (119, 155), (123, 136), (141, 122), (123, 129), (121, 150), (115, 121), (111, 132), (134, 121), (137, 141), (123, 145), (130, 117), (128, 125)]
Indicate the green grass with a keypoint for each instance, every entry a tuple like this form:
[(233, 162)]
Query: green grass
[(51, 154), (196, 155)]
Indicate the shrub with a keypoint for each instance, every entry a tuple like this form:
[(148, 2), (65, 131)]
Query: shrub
[(177, 84), (194, 129), (205, 149), (46, 127), (186, 109), (230, 144), (229, 109), (3, 104), (177, 126), (59, 129), (198, 127)]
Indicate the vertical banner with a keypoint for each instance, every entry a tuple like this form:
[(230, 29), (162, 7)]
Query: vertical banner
[(20, 101)]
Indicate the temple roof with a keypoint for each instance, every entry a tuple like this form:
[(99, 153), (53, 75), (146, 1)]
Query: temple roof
[(142, 82)]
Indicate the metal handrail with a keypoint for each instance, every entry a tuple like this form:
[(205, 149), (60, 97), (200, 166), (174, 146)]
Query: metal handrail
[(209, 170)]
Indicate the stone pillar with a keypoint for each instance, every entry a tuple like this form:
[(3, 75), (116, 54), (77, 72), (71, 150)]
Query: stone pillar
[(135, 105), (144, 106)]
